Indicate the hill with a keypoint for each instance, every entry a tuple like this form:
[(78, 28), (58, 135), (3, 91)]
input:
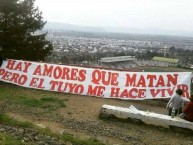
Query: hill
[(78, 116), (119, 30), (71, 27)]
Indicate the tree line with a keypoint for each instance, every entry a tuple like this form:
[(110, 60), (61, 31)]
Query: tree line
[(20, 31)]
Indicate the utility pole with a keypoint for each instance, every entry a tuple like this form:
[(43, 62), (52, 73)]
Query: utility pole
[(165, 50)]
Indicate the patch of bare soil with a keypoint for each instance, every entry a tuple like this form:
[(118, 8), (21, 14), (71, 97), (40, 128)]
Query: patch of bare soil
[(81, 118)]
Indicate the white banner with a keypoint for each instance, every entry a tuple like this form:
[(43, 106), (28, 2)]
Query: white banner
[(95, 82)]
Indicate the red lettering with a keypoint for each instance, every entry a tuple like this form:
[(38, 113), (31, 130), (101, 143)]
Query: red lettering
[(160, 82), (114, 80), (60, 85), (131, 81), (48, 70), (172, 80), (155, 92), (65, 74), (109, 78), (57, 72), (82, 75), (40, 86), (170, 91), (61, 73), (22, 79), (124, 94), (133, 93), (141, 82), (14, 78), (151, 79), (27, 64), (33, 82), (37, 70), (92, 90), (2, 71), (71, 87), (163, 92), (53, 85), (185, 90), (18, 66), (96, 90), (115, 92), (79, 89), (96, 76), (141, 93), (105, 78), (74, 73), (6, 75), (10, 64)]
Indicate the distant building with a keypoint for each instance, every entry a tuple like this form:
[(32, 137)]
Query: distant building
[(121, 62), (117, 59), (170, 61), (191, 66)]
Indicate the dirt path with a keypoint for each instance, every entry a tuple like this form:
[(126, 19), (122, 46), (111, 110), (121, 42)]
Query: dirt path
[(80, 118), (85, 107)]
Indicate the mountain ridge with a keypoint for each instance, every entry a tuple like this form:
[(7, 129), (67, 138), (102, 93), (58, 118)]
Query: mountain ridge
[(145, 31)]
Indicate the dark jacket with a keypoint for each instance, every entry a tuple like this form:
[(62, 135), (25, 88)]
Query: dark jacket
[(1, 60), (188, 111)]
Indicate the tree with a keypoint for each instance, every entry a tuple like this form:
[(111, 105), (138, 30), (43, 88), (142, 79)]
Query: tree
[(19, 23)]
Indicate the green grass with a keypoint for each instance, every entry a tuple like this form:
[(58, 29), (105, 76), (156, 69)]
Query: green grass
[(44, 103), (71, 138), (91, 141), (162, 69), (9, 140), (37, 99), (45, 100), (4, 119)]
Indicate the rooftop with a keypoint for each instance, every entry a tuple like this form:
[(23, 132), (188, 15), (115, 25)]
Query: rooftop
[(163, 59), (117, 59)]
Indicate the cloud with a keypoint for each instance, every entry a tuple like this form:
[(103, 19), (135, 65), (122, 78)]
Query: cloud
[(162, 14)]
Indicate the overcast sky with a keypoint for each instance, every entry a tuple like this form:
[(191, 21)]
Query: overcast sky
[(155, 14)]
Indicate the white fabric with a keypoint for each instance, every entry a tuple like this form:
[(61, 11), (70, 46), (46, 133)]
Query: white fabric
[(95, 81)]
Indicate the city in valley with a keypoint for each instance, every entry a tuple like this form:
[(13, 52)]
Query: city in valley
[(87, 48)]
